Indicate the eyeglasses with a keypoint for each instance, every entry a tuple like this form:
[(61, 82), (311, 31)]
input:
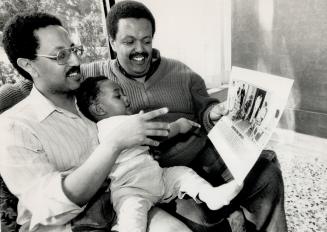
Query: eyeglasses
[(63, 55)]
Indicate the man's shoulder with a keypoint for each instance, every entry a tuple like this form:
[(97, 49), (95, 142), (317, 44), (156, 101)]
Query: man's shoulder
[(97, 68), (98, 63), (22, 111), (177, 67), (172, 62)]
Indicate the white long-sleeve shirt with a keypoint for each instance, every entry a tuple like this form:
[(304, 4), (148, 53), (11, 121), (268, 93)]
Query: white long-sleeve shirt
[(136, 172), (40, 144)]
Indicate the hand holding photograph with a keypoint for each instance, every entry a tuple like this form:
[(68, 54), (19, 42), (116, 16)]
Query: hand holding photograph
[(255, 102)]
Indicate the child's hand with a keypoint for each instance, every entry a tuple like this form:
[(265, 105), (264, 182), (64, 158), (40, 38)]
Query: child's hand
[(186, 125)]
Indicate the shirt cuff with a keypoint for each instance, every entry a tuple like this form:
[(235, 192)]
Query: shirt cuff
[(52, 206), (207, 123)]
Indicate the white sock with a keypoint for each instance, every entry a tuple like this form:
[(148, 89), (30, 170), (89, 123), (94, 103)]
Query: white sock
[(217, 197)]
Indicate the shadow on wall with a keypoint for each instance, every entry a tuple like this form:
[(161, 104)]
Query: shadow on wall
[(267, 39)]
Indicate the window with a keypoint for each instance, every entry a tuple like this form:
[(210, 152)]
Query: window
[(84, 20)]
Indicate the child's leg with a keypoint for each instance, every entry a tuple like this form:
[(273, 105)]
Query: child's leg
[(182, 180), (217, 197), (161, 221), (132, 214)]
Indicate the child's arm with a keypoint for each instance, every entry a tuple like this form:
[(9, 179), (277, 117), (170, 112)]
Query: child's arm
[(181, 126)]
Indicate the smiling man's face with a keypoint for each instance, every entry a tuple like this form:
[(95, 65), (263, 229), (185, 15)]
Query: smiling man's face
[(133, 45)]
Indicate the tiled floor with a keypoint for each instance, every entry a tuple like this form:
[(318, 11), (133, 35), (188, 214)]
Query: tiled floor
[(303, 161)]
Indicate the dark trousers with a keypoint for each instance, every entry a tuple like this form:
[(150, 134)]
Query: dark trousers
[(262, 197), (98, 215)]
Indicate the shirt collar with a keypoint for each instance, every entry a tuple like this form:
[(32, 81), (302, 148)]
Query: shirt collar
[(41, 105)]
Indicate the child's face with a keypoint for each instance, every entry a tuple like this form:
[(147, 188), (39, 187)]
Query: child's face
[(112, 99)]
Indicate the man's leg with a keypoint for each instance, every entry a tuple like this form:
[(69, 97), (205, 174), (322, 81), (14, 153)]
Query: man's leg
[(182, 180), (98, 215), (134, 214), (262, 196)]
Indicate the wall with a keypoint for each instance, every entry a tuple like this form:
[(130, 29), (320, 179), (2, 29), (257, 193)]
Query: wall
[(287, 38)]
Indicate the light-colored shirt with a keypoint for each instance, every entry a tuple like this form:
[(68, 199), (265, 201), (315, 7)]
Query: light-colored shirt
[(130, 174), (136, 173), (40, 145), (126, 154)]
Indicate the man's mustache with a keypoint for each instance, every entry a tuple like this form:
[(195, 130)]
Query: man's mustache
[(132, 55), (74, 69)]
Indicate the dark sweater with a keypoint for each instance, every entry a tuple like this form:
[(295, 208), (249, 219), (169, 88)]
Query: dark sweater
[(11, 94)]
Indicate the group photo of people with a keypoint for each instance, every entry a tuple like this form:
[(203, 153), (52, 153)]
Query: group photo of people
[(119, 143), (248, 108)]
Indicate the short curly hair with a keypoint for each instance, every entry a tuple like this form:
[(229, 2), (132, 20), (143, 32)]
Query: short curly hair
[(19, 40), (127, 9), (87, 94)]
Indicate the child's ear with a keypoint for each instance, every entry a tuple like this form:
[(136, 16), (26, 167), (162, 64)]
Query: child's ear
[(96, 109)]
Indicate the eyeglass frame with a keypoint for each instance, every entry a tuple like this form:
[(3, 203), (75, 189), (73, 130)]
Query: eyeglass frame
[(74, 49)]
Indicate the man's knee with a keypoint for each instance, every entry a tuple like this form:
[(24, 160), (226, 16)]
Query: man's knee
[(272, 176), (263, 194), (264, 181), (270, 155)]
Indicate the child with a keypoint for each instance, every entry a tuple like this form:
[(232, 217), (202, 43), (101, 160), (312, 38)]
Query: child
[(137, 180)]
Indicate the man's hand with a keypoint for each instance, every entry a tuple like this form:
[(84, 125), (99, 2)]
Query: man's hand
[(218, 111), (135, 129)]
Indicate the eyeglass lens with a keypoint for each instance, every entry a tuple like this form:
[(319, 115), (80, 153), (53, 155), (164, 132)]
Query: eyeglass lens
[(64, 54)]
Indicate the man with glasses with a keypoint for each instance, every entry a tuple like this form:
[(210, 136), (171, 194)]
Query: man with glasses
[(11, 94), (50, 156)]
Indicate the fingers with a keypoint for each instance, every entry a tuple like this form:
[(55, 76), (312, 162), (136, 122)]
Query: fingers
[(157, 125), (150, 142), (188, 121), (223, 108), (218, 111), (156, 132), (194, 124), (155, 113), (214, 116)]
